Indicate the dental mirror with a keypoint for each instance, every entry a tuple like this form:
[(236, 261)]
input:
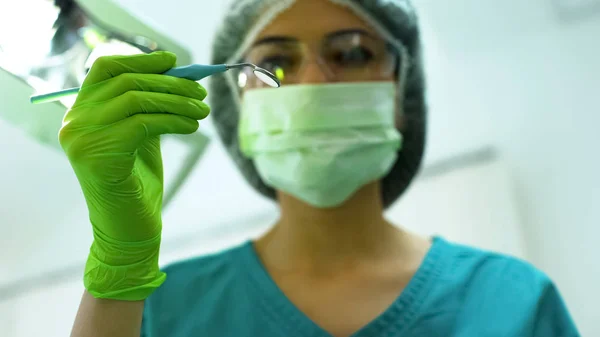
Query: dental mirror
[(267, 77), (262, 74)]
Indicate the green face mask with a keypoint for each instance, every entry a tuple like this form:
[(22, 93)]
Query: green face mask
[(321, 143)]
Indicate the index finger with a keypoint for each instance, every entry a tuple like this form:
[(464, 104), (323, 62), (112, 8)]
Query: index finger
[(107, 67)]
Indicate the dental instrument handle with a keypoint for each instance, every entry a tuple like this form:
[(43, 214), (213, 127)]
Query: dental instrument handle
[(53, 96), (194, 72)]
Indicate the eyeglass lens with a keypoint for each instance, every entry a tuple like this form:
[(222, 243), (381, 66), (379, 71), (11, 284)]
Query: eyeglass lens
[(343, 57)]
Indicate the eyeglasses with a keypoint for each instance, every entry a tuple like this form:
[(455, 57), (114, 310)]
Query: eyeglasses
[(344, 56)]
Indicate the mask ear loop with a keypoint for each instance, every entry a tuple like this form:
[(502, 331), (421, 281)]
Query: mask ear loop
[(405, 64)]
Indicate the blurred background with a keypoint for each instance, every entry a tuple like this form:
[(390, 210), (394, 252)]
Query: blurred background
[(512, 158)]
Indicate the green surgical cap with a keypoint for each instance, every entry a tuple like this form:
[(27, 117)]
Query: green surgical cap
[(395, 20)]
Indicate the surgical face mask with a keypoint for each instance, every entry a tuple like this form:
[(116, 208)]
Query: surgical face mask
[(321, 143)]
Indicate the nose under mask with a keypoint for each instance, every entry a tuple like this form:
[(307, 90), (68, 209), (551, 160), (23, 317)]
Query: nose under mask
[(321, 142)]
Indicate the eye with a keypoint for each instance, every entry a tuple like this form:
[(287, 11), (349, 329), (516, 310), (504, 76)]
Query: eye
[(273, 63), (355, 57)]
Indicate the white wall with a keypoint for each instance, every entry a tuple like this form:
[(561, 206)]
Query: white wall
[(503, 72), (523, 79)]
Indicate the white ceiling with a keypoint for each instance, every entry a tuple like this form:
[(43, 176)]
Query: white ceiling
[(458, 22), (464, 27)]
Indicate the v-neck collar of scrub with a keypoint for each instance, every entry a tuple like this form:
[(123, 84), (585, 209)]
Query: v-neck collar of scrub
[(277, 307)]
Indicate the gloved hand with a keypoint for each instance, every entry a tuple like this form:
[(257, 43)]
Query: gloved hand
[(111, 137)]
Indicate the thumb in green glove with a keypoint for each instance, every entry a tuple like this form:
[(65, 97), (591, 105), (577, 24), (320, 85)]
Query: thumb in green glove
[(111, 137)]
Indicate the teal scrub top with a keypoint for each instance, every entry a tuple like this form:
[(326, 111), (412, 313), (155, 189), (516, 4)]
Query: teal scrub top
[(458, 291)]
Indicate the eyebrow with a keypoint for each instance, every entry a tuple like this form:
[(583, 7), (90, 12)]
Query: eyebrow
[(274, 39), (279, 39)]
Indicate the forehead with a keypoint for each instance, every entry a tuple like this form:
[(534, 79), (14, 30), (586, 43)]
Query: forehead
[(312, 19)]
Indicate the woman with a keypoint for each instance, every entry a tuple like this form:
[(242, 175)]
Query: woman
[(335, 145)]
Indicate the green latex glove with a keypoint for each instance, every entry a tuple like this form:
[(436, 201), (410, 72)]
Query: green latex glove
[(111, 137)]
